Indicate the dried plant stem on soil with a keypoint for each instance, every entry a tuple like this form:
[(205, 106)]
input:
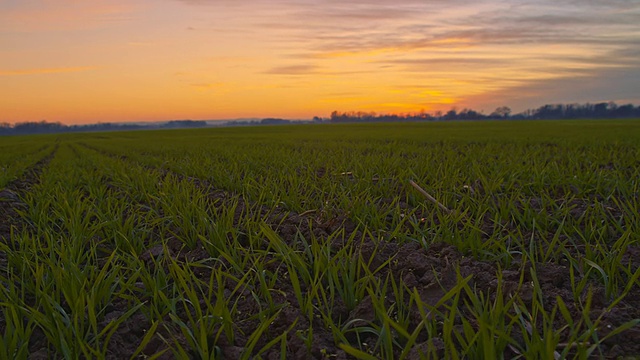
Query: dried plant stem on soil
[(429, 197), (308, 212)]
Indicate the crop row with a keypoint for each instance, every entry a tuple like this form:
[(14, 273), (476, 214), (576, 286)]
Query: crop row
[(16, 157)]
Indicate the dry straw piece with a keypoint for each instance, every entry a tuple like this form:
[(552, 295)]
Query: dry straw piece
[(429, 197)]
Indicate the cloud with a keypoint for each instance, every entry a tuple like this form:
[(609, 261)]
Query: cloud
[(46, 71), (304, 69), (608, 84), (448, 61), (492, 46), (416, 26), (330, 28)]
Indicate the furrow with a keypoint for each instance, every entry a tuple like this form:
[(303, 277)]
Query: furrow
[(11, 196)]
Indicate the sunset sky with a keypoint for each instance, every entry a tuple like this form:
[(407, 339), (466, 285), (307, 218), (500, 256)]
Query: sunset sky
[(87, 61)]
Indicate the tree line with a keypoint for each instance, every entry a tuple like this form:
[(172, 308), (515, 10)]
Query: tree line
[(44, 127), (603, 110)]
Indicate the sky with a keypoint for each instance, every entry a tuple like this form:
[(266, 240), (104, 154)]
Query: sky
[(88, 61)]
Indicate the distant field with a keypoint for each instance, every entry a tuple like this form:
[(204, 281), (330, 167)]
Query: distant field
[(298, 242)]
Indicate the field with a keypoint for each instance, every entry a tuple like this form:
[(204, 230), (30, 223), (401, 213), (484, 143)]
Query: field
[(295, 242)]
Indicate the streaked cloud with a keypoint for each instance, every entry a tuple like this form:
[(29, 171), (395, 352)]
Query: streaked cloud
[(305, 69)]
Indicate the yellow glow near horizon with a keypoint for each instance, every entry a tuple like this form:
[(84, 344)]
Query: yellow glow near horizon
[(143, 60)]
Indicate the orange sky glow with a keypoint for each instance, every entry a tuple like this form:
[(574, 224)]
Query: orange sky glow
[(151, 60)]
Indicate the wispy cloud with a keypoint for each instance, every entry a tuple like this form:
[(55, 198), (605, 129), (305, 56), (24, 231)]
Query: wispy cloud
[(46, 71), (305, 69)]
